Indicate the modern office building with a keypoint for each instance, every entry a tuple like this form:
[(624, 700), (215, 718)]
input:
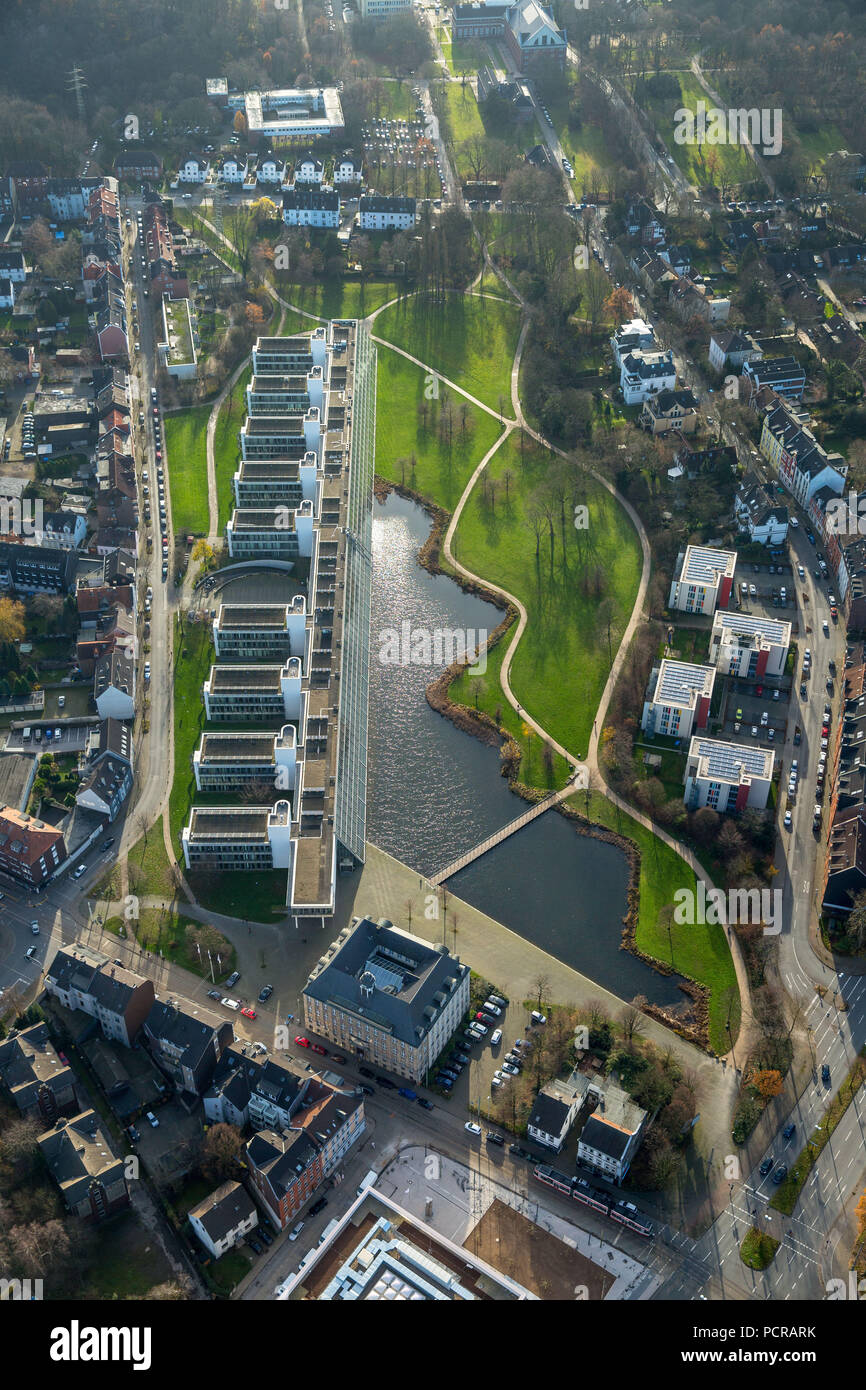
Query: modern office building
[(379, 1252), (258, 694), (387, 996), (265, 633), (233, 762)]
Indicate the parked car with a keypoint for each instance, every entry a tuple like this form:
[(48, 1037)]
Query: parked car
[(472, 1128), (317, 1047), (780, 1174), (318, 1206), (788, 1131), (825, 1074), (296, 1230), (517, 1152), (510, 1069), (249, 1013), (151, 1118), (233, 978), (233, 1004), (496, 1037), (766, 1165), (537, 1017), (305, 1042), (493, 1138), (214, 994), (265, 994), (425, 1103)]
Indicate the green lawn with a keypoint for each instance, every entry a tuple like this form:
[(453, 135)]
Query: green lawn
[(699, 952), (471, 340), (193, 655), (186, 450), (463, 115), (701, 164), (758, 1249), (562, 661), (127, 1261), (336, 298), (171, 937), (440, 473), (225, 445), (484, 692)]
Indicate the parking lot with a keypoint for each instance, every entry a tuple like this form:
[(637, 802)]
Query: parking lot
[(68, 736), (401, 159)]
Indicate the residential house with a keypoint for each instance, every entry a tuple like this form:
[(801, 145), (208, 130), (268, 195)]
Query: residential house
[(79, 1157), (553, 1112), (731, 349), (187, 1040), (311, 207), (31, 851), (309, 169), (644, 374), (803, 465), (670, 410), (86, 980), (107, 781), (232, 168), (193, 170), (757, 512), (749, 646), (7, 293), (703, 579), (114, 685), (37, 1081), (223, 1218), (678, 699), (137, 164), (379, 213), (784, 375), (644, 221), (611, 1135), (271, 170), (631, 335), (727, 777)]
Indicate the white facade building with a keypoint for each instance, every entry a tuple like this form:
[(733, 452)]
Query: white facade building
[(703, 579), (678, 699), (727, 777)]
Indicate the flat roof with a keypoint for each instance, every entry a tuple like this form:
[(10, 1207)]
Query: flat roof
[(704, 566), (266, 615), (245, 677), (679, 682), (775, 631), (726, 762)]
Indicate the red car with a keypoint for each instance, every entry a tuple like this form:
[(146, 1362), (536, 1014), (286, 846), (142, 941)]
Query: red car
[(302, 1042), (825, 730), (62, 1057), (322, 1051), (249, 1013), (759, 690)]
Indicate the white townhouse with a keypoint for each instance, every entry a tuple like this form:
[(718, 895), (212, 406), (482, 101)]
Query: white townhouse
[(379, 213), (193, 170), (224, 1218), (309, 169), (311, 207), (644, 374), (634, 334), (271, 170), (232, 169), (347, 169)]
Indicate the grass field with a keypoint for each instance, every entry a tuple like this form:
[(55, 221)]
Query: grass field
[(193, 655), (700, 164), (563, 659), (700, 952), (336, 298), (186, 450), (440, 472), (470, 340), (225, 444)]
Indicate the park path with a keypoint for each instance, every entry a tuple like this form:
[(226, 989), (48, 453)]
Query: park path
[(212, 496)]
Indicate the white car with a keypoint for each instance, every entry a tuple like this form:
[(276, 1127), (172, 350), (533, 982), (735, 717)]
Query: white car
[(472, 1128), (480, 1029), (147, 670), (296, 1230), (538, 1017), (34, 927), (788, 820), (492, 1009), (151, 1118), (510, 1069), (230, 1004), (61, 701), (495, 1037)]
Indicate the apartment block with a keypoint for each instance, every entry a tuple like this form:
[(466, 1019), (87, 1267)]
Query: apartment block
[(118, 999), (387, 996), (31, 851), (186, 1040), (804, 466), (259, 484), (263, 694), (273, 533), (727, 777), (238, 839), (281, 436), (747, 646), (703, 579), (678, 699), (275, 394), (611, 1135), (644, 374), (230, 762), (265, 633)]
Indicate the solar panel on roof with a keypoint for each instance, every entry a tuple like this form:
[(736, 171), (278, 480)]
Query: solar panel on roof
[(677, 679), (727, 760)]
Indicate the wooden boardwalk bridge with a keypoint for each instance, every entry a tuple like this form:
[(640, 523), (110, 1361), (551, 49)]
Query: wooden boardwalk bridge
[(575, 783)]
